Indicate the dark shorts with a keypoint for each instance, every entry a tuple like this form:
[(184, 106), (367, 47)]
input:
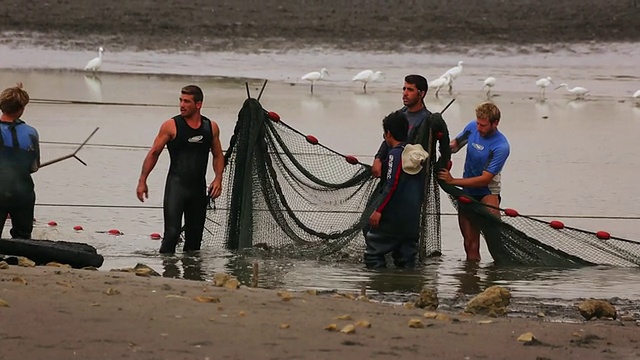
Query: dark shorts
[(480, 197)]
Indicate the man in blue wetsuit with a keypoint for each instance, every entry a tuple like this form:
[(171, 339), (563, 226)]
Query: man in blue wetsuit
[(487, 153), (413, 93), (395, 224), (189, 137), (19, 158)]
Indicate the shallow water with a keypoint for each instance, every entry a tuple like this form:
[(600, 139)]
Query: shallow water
[(568, 157)]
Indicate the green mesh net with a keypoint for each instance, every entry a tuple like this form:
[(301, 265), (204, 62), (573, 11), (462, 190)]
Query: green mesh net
[(287, 193)]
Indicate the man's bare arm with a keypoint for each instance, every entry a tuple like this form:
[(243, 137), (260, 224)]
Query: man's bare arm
[(218, 161), (167, 133)]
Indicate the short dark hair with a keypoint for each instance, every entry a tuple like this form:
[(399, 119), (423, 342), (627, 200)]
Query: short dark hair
[(418, 80), (397, 124), (194, 91)]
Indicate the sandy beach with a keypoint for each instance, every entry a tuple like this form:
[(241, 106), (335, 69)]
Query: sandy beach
[(61, 313)]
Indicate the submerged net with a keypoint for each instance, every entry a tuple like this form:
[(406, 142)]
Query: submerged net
[(515, 239), (287, 193)]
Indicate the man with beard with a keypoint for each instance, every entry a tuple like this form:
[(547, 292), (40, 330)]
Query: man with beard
[(413, 93), (487, 154), (189, 137)]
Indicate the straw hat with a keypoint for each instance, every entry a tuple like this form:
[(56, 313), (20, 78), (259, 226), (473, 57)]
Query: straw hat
[(413, 156)]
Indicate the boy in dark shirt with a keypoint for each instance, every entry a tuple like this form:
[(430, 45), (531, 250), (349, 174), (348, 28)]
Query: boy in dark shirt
[(395, 224)]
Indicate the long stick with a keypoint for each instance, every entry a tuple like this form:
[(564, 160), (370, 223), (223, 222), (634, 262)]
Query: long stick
[(72, 155)]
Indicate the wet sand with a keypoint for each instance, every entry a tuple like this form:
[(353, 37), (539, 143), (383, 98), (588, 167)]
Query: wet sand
[(293, 24), (63, 313)]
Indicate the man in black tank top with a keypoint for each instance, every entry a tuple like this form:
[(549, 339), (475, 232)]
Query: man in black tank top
[(189, 137)]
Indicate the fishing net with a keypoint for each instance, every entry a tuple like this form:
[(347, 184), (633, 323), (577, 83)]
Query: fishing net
[(287, 193), (516, 239)]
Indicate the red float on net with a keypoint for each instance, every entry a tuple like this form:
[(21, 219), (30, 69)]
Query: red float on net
[(312, 140), (273, 116), (351, 159), (114, 232), (603, 235), (511, 212), (464, 200), (52, 223), (155, 236), (78, 228), (556, 224)]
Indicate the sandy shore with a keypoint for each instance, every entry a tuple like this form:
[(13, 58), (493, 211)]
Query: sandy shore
[(63, 313)]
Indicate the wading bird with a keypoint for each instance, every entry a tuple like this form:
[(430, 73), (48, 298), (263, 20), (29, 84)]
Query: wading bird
[(315, 76), (367, 76), (453, 73), (542, 85), (440, 82), (578, 91), (95, 63), (489, 83)]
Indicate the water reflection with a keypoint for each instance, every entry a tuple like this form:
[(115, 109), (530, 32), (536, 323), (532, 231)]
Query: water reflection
[(185, 266), (94, 85)]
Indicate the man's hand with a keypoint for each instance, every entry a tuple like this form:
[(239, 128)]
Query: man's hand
[(215, 189), (445, 176), (142, 191), (376, 168), (374, 220)]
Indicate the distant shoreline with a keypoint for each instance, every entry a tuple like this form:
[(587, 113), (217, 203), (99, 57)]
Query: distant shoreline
[(359, 25)]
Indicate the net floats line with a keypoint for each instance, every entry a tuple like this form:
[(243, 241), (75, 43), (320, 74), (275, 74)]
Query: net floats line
[(151, 207), (83, 102)]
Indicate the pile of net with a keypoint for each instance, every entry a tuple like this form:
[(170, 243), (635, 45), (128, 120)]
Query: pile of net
[(287, 193)]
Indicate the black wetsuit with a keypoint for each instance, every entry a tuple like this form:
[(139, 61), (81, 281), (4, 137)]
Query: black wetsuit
[(186, 188), (19, 157)]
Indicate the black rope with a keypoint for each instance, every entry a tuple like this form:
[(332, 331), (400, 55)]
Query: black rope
[(565, 216), (82, 102)]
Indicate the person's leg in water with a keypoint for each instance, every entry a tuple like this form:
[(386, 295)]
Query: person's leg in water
[(194, 217), (405, 253), (470, 233), (22, 217), (470, 228), (175, 196), (377, 247)]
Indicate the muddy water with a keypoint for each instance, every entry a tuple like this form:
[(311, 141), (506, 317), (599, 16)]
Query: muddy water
[(568, 157)]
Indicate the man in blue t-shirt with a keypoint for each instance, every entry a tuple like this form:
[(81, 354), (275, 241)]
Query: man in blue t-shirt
[(19, 157), (395, 224), (487, 152)]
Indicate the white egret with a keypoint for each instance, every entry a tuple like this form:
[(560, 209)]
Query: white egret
[(489, 83), (578, 91), (315, 76), (367, 76), (440, 82), (95, 63), (453, 73), (542, 85)]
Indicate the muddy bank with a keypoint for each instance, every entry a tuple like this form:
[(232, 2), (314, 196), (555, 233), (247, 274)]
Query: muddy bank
[(293, 24), (62, 313)]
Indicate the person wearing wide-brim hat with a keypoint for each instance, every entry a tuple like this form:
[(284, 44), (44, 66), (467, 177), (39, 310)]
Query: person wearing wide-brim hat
[(395, 223)]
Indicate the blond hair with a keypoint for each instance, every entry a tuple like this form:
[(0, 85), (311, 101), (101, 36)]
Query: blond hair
[(13, 99), (488, 111)]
